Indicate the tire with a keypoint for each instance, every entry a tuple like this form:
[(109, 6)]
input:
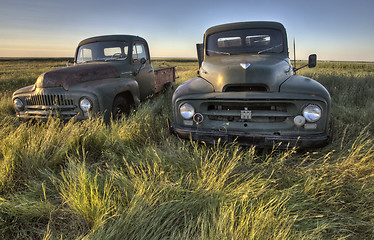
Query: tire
[(120, 108)]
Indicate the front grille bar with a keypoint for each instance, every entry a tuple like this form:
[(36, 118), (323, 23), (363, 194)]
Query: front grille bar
[(49, 100), (260, 112)]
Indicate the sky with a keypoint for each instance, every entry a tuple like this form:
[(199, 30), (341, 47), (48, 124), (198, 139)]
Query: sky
[(337, 30)]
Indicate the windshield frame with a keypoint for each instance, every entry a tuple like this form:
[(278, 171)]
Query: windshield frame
[(238, 41), (99, 51)]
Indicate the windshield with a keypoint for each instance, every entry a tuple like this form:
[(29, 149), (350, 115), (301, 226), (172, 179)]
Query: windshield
[(102, 51), (255, 40)]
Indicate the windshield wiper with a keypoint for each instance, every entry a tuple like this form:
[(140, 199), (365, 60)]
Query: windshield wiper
[(268, 49), (116, 56), (217, 52)]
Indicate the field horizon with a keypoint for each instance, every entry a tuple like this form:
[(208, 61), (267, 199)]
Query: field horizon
[(164, 59)]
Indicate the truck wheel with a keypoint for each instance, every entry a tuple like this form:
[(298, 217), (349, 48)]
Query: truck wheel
[(120, 108)]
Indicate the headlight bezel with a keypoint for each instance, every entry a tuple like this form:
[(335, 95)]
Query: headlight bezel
[(187, 111), (312, 113), (85, 104), (18, 104)]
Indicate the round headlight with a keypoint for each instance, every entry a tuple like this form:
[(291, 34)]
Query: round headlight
[(312, 113), (85, 104), (187, 111), (18, 104)]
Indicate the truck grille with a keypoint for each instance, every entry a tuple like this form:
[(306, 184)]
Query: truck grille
[(260, 112), (49, 100), (41, 106)]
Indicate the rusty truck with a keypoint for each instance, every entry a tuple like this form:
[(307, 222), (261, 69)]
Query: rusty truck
[(110, 75), (247, 92)]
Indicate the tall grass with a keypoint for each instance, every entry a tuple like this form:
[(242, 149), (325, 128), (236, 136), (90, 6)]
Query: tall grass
[(351, 89), (131, 179), (83, 193)]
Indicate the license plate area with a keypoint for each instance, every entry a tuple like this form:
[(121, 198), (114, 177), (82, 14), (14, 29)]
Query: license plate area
[(246, 114)]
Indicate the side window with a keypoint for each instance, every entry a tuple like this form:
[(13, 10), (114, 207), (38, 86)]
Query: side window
[(139, 52), (84, 54)]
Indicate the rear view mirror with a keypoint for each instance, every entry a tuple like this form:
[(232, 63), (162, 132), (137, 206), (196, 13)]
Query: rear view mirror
[(312, 62)]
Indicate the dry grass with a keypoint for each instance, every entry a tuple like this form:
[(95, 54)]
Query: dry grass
[(133, 180)]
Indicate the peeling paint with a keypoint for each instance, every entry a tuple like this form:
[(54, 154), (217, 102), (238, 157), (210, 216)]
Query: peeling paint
[(69, 76)]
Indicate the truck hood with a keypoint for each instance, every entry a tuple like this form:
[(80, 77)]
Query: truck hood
[(246, 72), (69, 76)]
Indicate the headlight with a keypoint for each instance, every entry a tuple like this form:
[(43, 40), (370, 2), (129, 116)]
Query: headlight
[(187, 111), (312, 113), (18, 104), (85, 104)]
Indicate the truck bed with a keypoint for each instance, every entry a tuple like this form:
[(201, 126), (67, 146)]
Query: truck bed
[(164, 77)]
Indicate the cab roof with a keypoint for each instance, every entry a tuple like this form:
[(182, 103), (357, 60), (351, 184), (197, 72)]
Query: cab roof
[(249, 25), (126, 38), (245, 25)]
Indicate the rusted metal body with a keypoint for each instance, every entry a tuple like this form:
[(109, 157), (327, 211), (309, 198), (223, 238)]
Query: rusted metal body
[(69, 76), (247, 92), (110, 74), (164, 77)]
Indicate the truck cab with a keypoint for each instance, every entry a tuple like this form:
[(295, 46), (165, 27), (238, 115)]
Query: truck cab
[(247, 92), (110, 75)]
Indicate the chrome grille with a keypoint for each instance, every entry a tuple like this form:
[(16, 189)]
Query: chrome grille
[(49, 100), (260, 112), (42, 106)]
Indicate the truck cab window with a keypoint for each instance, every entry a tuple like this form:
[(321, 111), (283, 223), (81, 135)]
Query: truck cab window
[(139, 52), (102, 51), (245, 41), (85, 54), (229, 42), (112, 51)]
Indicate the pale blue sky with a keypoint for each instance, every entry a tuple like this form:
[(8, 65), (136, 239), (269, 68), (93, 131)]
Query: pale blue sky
[(335, 30)]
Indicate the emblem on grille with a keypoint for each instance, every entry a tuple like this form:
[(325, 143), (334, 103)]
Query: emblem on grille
[(245, 65), (246, 114)]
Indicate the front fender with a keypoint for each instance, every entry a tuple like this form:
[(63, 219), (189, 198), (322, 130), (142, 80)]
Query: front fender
[(303, 85), (23, 90), (106, 90), (195, 85)]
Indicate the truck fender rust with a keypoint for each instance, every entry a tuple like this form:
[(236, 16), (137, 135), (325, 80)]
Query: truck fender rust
[(107, 89), (128, 88)]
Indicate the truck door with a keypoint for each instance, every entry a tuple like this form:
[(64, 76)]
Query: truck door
[(145, 76)]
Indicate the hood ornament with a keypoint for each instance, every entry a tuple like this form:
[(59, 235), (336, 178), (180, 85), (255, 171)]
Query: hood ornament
[(245, 65)]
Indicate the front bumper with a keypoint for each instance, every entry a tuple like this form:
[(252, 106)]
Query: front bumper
[(43, 116), (248, 139)]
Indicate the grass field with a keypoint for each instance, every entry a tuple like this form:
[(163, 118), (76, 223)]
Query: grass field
[(133, 180)]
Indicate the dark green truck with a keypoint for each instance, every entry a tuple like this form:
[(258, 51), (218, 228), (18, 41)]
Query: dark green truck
[(110, 75), (247, 92)]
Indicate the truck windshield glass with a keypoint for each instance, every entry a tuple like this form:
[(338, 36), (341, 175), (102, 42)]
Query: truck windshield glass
[(102, 51), (245, 41)]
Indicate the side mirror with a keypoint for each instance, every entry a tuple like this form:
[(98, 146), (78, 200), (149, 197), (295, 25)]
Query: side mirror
[(142, 62), (312, 62), (200, 53)]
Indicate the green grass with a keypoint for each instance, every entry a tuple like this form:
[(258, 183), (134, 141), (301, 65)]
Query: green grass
[(131, 179)]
